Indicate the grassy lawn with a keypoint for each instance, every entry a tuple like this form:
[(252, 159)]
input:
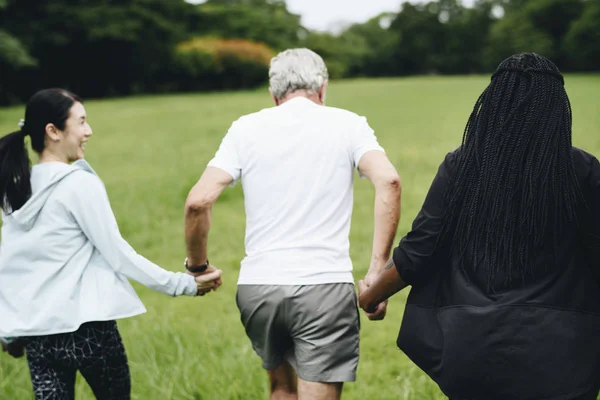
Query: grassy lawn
[(150, 151)]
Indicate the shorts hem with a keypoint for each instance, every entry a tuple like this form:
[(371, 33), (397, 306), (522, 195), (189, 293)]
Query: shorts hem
[(320, 378), (327, 378), (271, 365)]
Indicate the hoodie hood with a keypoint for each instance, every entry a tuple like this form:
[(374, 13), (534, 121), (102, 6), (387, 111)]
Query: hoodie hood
[(27, 215)]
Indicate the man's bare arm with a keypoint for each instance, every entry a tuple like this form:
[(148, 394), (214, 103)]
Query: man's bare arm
[(388, 189), (198, 208)]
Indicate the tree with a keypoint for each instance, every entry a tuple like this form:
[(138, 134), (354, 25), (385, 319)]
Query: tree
[(420, 38), (14, 57), (13, 53), (515, 34), (98, 47), (582, 42), (371, 44), (534, 26), (266, 21), (466, 31), (441, 37)]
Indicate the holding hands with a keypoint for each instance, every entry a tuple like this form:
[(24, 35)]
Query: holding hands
[(375, 289), (374, 312), (207, 277)]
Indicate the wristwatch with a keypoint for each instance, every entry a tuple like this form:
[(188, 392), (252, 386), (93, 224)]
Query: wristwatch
[(196, 269)]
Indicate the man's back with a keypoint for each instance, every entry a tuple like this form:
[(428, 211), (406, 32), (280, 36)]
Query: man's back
[(296, 292), (296, 163)]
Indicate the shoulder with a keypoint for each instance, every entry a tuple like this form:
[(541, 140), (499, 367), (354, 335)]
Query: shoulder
[(254, 118), (582, 157), (450, 161), (82, 183), (340, 114), (586, 165), (83, 180), (246, 123)]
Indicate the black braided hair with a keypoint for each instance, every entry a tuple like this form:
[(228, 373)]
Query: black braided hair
[(514, 194)]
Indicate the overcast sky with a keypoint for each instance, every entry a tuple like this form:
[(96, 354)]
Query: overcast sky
[(330, 14)]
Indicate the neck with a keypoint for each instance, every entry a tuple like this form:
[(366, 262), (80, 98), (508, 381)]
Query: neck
[(48, 156), (314, 97)]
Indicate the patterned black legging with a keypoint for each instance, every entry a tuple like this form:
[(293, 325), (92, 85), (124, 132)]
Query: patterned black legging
[(95, 349)]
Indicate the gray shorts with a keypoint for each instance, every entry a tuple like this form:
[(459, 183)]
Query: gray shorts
[(314, 327)]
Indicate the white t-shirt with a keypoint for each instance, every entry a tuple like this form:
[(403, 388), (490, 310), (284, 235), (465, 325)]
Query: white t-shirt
[(296, 162)]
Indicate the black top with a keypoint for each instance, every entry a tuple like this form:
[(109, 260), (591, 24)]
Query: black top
[(538, 341)]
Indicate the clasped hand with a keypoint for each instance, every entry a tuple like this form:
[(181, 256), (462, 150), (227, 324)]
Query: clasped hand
[(376, 313), (208, 280)]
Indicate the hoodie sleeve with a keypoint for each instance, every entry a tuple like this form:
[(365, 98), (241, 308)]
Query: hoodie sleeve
[(90, 207)]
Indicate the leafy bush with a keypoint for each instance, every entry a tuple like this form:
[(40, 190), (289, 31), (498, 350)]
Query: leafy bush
[(213, 63)]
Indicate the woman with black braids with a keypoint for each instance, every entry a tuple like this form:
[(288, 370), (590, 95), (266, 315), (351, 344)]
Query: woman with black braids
[(504, 256)]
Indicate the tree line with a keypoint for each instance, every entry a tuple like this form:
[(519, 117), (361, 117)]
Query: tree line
[(100, 48)]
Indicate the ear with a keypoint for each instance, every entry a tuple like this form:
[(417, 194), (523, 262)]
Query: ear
[(52, 132), (323, 92), (275, 99)]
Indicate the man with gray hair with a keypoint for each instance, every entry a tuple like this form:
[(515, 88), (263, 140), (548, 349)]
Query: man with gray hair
[(296, 289)]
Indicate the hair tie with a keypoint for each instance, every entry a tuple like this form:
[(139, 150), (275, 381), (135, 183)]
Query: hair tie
[(22, 125)]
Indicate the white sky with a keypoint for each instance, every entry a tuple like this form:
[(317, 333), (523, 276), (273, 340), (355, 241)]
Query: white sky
[(331, 14)]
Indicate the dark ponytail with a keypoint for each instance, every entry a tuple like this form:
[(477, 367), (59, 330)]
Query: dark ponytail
[(48, 106), (15, 185)]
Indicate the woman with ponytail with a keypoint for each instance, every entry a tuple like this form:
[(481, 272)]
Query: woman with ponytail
[(63, 263), (504, 256)]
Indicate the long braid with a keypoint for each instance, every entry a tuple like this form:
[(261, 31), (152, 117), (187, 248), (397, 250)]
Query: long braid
[(514, 193)]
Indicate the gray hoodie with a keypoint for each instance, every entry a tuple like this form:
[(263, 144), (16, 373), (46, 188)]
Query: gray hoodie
[(63, 261)]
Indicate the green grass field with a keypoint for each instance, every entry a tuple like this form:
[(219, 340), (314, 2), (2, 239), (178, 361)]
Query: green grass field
[(150, 151)]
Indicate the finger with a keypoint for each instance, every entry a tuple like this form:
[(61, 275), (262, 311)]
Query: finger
[(375, 316), (373, 311), (211, 276), (379, 313), (382, 307), (206, 286)]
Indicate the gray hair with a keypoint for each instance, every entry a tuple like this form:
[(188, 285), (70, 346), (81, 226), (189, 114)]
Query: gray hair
[(296, 69)]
